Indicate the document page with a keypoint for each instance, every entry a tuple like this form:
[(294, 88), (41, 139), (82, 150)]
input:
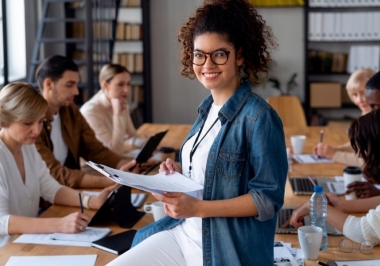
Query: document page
[(64, 260), (310, 158), (90, 235), (44, 239), (156, 183)]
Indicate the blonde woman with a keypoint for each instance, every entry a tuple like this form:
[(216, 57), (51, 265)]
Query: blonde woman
[(107, 112), (355, 89), (24, 177)]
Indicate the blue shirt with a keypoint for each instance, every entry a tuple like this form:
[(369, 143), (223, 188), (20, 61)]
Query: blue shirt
[(248, 156)]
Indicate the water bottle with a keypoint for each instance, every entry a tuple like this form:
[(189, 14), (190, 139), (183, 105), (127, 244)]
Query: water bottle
[(318, 213)]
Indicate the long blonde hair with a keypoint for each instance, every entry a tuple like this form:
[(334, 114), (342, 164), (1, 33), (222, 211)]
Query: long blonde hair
[(20, 101)]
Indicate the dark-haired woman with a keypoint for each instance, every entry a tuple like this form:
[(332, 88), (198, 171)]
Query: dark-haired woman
[(365, 139), (236, 149), (107, 112)]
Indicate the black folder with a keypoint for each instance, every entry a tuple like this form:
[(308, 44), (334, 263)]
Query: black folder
[(116, 244)]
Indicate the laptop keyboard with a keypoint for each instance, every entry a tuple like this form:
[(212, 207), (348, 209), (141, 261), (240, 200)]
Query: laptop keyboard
[(283, 216), (302, 184)]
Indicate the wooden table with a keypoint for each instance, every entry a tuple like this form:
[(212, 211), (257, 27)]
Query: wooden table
[(174, 138)]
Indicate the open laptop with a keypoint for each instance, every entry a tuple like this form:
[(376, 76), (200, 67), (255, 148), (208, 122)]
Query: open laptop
[(303, 186), (285, 213)]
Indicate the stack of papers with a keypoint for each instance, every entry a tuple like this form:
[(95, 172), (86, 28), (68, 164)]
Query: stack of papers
[(310, 158), (83, 260), (83, 239), (285, 255)]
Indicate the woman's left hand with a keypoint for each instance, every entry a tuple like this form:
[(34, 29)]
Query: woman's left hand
[(297, 215), (97, 202), (179, 205)]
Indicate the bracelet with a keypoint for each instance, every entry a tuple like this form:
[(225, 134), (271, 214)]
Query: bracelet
[(86, 199)]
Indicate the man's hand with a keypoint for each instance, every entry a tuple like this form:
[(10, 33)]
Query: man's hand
[(363, 189)]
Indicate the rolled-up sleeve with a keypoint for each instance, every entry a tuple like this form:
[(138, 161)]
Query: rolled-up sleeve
[(269, 162), (363, 228)]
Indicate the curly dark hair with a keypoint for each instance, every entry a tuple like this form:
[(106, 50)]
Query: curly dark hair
[(243, 27), (364, 134)]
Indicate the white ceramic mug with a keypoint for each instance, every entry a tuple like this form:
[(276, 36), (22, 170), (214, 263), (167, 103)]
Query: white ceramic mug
[(298, 142), (310, 238), (156, 208), (351, 174)]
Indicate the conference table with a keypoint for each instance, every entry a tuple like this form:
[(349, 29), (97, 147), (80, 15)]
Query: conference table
[(174, 138)]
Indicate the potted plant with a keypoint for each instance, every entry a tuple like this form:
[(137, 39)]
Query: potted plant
[(290, 85)]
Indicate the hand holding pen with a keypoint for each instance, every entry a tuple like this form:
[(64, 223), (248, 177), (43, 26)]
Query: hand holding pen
[(320, 139), (323, 149)]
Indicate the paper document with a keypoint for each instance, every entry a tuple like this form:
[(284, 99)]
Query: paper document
[(90, 234), (137, 199), (310, 158), (83, 260), (156, 183), (44, 239), (336, 187), (282, 255)]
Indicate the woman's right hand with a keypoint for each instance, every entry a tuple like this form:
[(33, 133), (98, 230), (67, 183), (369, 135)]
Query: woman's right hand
[(73, 223), (324, 150), (118, 106), (169, 167)]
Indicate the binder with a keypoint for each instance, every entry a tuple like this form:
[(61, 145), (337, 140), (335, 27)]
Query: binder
[(328, 27)]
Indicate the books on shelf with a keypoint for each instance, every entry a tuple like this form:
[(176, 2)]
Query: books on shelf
[(133, 62), (126, 31), (130, 3), (100, 30), (322, 62)]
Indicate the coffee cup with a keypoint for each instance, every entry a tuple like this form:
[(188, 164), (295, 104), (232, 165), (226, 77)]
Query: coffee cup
[(167, 152), (351, 174), (298, 142), (156, 208), (310, 238)]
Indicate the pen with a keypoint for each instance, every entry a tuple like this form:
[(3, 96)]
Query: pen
[(321, 136), (80, 202), (320, 139), (323, 264)]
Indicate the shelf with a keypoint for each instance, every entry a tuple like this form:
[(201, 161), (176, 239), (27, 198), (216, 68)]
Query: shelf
[(346, 41), (328, 74), (343, 9)]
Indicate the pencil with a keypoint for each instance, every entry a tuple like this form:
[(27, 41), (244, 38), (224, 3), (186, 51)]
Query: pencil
[(321, 136), (80, 202)]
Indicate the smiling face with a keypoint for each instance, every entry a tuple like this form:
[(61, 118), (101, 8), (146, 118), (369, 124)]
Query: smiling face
[(358, 98), (220, 79), (25, 132), (118, 87)]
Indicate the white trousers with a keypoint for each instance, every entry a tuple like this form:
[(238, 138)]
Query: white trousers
[(159, 249)]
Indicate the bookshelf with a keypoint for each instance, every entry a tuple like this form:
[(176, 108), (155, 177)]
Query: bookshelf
[(340, 38), (132, 50)]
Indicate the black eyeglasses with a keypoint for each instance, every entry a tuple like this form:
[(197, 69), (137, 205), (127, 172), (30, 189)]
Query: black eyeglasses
[(218, 57)]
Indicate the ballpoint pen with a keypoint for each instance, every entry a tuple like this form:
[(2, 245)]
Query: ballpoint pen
[(320, 139), (80, 202)]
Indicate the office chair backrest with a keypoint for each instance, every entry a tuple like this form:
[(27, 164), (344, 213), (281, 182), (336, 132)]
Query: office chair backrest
[(289, 109)]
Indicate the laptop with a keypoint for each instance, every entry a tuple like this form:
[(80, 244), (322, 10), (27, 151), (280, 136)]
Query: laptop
[(303, 186), (286, 212)]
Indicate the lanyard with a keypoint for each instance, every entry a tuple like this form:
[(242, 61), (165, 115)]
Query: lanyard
[(195, 145)]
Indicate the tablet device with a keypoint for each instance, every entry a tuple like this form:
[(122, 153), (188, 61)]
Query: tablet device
[(149, 147)]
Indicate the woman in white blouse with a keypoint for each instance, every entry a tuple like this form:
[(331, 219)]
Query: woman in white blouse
[(364, 136), (24, 176), (107, 112)]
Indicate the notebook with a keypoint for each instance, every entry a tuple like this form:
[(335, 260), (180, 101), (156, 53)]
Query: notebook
[(286, 212), (303, 186), (116, 244)]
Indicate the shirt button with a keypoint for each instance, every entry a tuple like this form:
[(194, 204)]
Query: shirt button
[(206, 232), (208, 181), (207, 259), (211, 157)]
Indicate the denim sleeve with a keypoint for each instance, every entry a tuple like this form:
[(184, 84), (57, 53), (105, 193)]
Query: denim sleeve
[(269, 162)]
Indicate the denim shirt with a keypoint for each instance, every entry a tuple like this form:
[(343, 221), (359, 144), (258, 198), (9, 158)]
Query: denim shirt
[(248, 156)]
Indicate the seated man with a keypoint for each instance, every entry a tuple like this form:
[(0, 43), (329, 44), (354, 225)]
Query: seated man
[(65, 135)]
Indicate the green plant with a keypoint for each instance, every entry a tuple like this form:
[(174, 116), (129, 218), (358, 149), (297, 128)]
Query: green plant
[(290, 85)]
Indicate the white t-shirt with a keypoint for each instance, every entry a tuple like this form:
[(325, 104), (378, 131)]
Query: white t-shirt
[(60, 149), (20, 198), (189, 233)]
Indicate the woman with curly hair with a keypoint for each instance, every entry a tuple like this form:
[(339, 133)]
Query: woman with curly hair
[(364, 135), (235, 149)]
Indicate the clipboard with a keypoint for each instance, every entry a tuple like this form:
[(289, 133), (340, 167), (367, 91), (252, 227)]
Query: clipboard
[(149, 147)]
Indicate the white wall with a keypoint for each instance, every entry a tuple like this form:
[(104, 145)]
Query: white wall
[(175, 98)]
